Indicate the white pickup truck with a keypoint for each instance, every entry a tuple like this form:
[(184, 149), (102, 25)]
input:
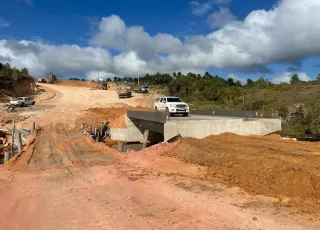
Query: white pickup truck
[(172, 105), (22, 101)]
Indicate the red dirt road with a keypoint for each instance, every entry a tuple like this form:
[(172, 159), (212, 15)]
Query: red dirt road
[(70, 182)]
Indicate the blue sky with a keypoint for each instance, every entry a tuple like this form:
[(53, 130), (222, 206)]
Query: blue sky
[(52, 23)]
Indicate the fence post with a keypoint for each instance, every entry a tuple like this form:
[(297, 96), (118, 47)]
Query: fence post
[(145, 138), (12, 136), (20, 144), (98, 137), (101, 132), (121, 146), (6, 157), (33, 127)]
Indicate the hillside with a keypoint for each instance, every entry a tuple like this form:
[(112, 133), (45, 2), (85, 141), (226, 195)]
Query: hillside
[(14, 82), (297, 103)]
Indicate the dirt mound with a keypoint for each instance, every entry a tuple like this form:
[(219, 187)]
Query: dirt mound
[(260, 165), (115, 116), (87, 84)]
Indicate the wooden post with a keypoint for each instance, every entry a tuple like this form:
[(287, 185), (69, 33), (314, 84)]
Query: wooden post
[(12, 136), (101, 132), (33, 127), (6, 157), (145, 138), (98, 137), (20, 144), (122, 146)]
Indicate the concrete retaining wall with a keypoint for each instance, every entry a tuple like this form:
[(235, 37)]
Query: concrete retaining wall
[(118, 134), (130, 134), (198, 128), (204, 128)]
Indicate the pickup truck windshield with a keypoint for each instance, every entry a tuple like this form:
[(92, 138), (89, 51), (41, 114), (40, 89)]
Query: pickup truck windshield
[(173, 99)]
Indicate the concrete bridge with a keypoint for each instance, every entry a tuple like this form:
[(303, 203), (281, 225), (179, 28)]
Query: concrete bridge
[(197, 126)]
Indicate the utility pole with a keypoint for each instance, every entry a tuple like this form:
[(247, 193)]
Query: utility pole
[(139, 78), (98, 76)]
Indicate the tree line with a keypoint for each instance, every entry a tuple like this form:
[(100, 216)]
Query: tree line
[(9, 76)]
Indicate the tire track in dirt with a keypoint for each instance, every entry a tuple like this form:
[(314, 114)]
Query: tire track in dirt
[(60, 148)]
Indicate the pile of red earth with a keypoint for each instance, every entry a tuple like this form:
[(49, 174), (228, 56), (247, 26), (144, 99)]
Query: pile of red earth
[(87, 84), (115, 116), (270, 166)]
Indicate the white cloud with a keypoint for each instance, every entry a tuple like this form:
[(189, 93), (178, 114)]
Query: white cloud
[(200, 8), (221, 18), (286, 77), (113, 33), (42, 58), (101, 75), (4, 23), (237, 78), (285, 34)]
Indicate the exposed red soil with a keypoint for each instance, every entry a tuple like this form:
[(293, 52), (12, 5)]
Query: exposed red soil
[(267, 166), (87, 84), (24, 88), (71, 182), (115, 116), (6, 118)]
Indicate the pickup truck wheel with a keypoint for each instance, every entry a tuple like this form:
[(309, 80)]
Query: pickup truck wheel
[(156, 109), (33, 103), (22, 105), (185, 114)]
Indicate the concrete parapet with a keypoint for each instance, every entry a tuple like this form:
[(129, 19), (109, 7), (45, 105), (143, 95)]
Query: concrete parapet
[(203, 128), (196, 128)]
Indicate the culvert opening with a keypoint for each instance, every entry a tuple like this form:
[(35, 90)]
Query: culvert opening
[(102, 133)]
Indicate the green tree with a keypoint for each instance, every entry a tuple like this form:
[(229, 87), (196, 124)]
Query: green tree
[(25, 71), (238, 84), (318, 77), (295, 79), (10, 76), (249, 82), (207, 75), (230, 82)]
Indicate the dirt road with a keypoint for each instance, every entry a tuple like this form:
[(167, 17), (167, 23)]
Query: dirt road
[(66, 181)]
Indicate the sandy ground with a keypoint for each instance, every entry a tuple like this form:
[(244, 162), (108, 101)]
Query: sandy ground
[(66, 181)]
